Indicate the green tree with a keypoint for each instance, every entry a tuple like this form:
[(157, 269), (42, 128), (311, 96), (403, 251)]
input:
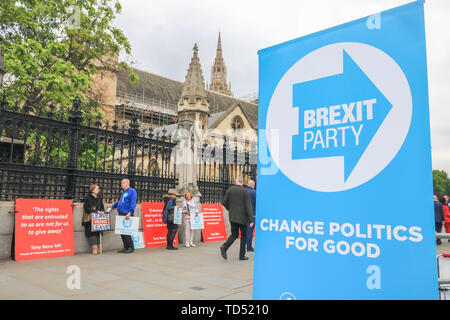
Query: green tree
[(53, 48), (441, 182)]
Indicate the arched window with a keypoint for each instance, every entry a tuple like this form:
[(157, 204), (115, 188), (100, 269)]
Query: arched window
[(153, 167), (237, 123)]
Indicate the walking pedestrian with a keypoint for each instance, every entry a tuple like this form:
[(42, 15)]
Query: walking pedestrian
[(252, 190), (92, 204), (237, 202), (125, 206), (189, 207), (439, 218), (172, 228)]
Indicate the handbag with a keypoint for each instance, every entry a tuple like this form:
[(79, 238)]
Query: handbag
[(170, 216), (187, 206), (87, 216)]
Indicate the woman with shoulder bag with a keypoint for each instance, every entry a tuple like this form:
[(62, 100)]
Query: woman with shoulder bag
[(189, 207), (169, 207), (92, 204)]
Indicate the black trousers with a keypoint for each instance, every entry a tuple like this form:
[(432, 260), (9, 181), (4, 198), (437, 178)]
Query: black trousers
[(171, 232), (235, 227), (92, 237), (126, 239)]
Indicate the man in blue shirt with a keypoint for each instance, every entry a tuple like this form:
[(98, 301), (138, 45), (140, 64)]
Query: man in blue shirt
[(125, 206), (252, 191)]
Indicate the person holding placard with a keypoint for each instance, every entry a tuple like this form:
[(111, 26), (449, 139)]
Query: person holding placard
[(189, 207), (125, 206), (92, 204), (169, 207)]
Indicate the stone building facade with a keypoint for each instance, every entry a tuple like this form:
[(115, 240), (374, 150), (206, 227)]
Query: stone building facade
[(163, 103)]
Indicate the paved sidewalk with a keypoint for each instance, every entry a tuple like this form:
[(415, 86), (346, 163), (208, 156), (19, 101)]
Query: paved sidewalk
[(444, 247), (155, 273), (197, 273)]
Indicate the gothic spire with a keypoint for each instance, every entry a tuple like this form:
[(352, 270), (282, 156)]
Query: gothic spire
[(194, 84), (219, 47), (219, 72), (193, 103)]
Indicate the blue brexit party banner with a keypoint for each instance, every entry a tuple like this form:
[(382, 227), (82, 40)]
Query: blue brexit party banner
[(345, 206)]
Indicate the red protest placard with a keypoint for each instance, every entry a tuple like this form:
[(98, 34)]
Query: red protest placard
[(100, 221), (155, 231), (43, 229), (214, 229)]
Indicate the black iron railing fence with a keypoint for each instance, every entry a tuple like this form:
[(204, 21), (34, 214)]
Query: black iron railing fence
[(219, 171), (44, 155), (58, 155)]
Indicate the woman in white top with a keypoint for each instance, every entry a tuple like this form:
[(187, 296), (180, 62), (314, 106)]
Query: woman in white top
[(189, 207)]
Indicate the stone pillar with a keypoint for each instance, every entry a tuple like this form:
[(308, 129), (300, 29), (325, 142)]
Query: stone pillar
[(193, 106), (186, 168)]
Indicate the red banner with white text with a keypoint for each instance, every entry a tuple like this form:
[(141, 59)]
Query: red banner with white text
[(214, 229), (43, 229), (155, 231)]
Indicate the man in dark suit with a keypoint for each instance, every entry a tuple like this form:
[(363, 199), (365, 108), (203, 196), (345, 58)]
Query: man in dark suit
[(237, 202), (439, 218)]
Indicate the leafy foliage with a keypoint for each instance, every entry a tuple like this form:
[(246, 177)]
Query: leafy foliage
[(441, 183), (54, 48), (53, 51)]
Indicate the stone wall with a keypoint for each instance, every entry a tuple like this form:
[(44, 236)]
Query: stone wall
[(111, 241)]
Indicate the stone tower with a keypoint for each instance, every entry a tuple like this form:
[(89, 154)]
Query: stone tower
[(193, 103), (219, 73), (103, 87)]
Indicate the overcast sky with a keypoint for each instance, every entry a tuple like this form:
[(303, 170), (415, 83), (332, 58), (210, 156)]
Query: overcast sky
[(163, 32)]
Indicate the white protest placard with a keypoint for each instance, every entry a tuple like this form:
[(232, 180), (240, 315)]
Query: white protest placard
[(177, 215), (128, 227), (138, 240), (100, 222)]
